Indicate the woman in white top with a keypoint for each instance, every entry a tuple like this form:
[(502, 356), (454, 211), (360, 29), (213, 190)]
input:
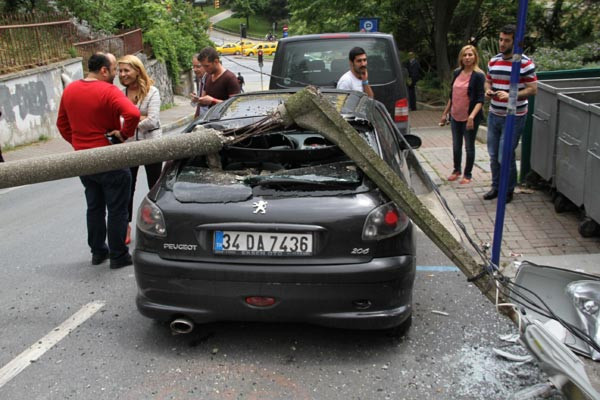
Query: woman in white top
[(140, 90)]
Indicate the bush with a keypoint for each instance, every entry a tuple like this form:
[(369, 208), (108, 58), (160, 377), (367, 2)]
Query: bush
[(552, 59), (175, 30)]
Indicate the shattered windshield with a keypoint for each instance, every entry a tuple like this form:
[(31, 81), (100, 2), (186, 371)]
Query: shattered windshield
[(205, 185), (342, 174)]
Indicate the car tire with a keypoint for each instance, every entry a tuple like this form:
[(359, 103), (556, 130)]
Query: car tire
[(400, 330), (250, 54), (237, 53)]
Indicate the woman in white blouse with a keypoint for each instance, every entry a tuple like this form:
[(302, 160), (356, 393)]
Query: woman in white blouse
[(140, 90)]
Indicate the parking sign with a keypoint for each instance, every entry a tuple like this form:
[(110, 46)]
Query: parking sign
[(368, 24)]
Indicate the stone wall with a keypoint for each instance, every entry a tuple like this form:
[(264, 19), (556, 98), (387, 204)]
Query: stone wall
[(29, 101)]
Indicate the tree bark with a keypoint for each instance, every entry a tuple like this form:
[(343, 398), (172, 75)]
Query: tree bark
[(108, 158), (443, 11)]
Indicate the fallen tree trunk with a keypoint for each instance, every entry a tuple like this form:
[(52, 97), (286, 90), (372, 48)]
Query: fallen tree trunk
[(102, 159), (311, 111)]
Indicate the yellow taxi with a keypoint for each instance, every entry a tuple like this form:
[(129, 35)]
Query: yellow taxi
[(268, 49), (234, 48), (229, 48)]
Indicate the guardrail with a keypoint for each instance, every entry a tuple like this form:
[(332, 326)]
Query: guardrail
[(27, 42)]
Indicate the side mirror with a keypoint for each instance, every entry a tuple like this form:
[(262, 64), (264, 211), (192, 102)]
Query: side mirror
[(414, 142)]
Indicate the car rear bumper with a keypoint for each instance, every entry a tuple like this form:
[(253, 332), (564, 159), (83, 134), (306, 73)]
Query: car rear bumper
[(336, 299)]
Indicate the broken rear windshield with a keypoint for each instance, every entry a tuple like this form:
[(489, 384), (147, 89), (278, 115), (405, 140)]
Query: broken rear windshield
[(204, 185)]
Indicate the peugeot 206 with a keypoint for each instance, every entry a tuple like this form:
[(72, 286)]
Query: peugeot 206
[(285, 226)]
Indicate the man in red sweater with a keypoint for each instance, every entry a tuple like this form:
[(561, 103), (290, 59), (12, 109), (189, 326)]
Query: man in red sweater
[(90, 109)]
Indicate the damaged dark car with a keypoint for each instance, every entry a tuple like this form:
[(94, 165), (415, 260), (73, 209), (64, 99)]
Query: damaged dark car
[(280, 226)]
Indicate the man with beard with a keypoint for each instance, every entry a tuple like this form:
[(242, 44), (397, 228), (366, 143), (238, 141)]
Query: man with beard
[(90, 111), (221, 83), (497, 88), (358, 77)]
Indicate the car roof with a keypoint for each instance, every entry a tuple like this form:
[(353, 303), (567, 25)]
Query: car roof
[(338, 35)]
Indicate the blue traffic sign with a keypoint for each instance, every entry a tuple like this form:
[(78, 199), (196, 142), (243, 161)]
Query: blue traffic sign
[(368, 24)]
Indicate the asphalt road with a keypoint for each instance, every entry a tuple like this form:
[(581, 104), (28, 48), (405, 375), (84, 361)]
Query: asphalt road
[(116, 353)]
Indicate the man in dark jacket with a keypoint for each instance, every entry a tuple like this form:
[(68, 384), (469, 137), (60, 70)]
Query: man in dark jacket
[(414, 75)]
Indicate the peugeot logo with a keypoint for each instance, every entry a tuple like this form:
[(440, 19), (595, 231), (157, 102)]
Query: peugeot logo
[(261, 207)]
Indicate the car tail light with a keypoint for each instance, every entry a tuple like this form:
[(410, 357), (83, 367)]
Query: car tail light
[(383, 222), (401, 110), (260, 301), (150, 219)]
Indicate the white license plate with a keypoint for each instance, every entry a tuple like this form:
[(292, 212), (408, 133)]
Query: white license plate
[(263, 243)]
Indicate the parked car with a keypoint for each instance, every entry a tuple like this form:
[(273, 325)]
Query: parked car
[(288, 229), (267, 48), (321, 59)]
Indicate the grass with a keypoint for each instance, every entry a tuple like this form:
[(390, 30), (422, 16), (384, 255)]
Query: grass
[(211, 10), (259, 26), (42, 138)]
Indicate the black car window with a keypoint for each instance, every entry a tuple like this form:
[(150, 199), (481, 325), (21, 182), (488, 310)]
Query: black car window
[(390, 148), (322, 62)]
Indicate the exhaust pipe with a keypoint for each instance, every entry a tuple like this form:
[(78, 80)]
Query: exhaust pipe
[(181, 326)]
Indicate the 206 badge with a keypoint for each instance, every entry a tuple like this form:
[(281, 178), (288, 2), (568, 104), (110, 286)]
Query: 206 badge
[(261, 207)]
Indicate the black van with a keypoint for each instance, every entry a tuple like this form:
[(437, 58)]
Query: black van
[(321, 59)]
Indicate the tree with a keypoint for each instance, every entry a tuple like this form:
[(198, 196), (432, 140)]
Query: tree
[(275, 10), (246, 8)]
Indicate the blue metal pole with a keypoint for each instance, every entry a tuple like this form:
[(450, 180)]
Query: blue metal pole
[(509, 131)]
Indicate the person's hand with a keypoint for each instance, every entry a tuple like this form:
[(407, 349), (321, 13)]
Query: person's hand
[(206, 100), (502, 95), (115, 134), (194, 97), (364, 75), (470, 123), (490, 93), (443, 120)]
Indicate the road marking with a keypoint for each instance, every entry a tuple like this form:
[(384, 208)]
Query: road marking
[(36, 350), (441, 268)]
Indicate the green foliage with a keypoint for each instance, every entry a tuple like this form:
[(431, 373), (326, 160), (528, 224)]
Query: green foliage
[(552, 59), (259, 26), (175, 30)]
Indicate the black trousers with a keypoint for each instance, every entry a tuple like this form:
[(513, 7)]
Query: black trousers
[(152, 174), (107, 191)]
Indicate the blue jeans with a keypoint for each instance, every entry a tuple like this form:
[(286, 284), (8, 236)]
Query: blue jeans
[(107, 191), (460, 131), (495, 142)]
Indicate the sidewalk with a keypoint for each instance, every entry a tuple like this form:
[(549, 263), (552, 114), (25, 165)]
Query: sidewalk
[(532, 228)]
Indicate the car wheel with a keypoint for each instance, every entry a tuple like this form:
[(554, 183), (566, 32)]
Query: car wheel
[(219, 53), (250, 54), (237, 53)]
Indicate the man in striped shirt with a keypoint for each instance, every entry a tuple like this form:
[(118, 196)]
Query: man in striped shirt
[(497, 87)]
